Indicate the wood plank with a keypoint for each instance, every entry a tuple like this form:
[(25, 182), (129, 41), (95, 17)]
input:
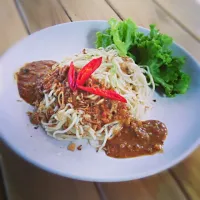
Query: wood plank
[(12, 28), (144, 12), (26, 181), (88, 9), (185, 12), (40, 14), (187, 173), (157, 187)]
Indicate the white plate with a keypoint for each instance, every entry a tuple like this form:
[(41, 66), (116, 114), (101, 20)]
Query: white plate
[(180, 114)]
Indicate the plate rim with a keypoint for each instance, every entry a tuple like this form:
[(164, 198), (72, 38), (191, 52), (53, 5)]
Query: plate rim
[(85, 178)]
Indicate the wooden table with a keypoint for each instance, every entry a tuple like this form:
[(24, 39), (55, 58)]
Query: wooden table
[(178, 18)]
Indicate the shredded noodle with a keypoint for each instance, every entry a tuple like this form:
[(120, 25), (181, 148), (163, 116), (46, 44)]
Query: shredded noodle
[(119, 73)]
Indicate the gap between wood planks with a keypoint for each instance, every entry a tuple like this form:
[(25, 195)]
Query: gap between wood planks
[(168, 13), (22, 16), (65, 10), (185, 27), (3, 195), (180, 185)]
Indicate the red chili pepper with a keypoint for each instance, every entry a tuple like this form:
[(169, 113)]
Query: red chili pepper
[(83, 76), (87, 70), (111, 94), (72, 76)]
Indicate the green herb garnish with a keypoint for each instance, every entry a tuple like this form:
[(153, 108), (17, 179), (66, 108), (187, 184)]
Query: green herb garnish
[(152, 50)]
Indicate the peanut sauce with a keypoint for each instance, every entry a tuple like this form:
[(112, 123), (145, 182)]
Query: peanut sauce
[(139, 138), (27, 79)]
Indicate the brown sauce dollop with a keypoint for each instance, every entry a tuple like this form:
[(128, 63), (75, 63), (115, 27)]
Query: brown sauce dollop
[(140, 138), (28, 77)]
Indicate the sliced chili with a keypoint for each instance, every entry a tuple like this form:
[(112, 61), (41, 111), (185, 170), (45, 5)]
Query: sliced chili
[(111, 94), (87, 70), (72, 77), (84, 75)]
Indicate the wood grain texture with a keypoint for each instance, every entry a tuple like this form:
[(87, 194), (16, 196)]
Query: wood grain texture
[(40, 14), (187, 173), (12, 28), (158, 187), (144, 12), (37, 184), (185, 12), (88, 9), (27, 182)]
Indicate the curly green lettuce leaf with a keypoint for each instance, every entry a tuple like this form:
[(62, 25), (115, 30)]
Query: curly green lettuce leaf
[(103, 40), (120, 33), (153, 50)]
